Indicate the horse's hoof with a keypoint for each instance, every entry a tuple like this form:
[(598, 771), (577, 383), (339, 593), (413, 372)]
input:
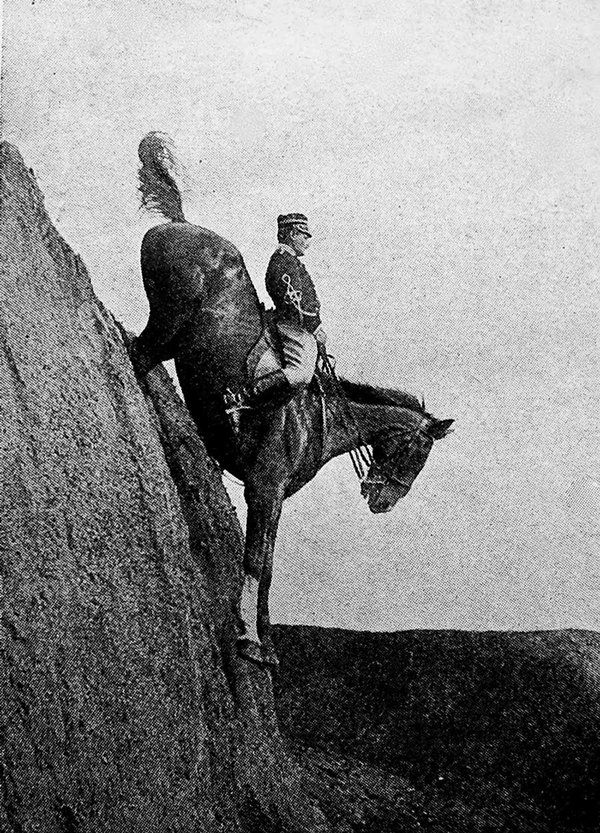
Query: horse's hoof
[(269, 656), (250, 649)]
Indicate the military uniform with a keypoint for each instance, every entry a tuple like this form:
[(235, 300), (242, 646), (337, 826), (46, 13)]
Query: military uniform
[(292, 290), (295, 298), (298, 318)]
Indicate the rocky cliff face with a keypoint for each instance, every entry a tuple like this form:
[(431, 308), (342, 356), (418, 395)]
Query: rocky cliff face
[(123, 704)]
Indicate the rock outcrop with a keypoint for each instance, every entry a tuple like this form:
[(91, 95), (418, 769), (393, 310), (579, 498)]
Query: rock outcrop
[(123, 704)]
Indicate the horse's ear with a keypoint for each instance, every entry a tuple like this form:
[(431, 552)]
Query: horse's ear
[(440, 428)]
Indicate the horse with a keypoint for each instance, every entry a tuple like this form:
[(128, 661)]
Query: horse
[(205, 314)]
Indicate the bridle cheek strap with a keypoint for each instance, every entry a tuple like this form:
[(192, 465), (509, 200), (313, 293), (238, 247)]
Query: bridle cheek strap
[(378, 474)]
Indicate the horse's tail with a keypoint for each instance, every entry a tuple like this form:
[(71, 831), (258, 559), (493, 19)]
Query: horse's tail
[(157, 186)]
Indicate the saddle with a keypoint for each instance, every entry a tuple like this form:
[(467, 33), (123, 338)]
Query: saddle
[(270, 353), (267, 355)]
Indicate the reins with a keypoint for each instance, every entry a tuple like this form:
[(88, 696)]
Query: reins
[(361, 456)]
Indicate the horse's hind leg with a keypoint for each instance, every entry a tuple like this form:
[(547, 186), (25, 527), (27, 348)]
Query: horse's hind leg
[(156, 343), (173, 303)]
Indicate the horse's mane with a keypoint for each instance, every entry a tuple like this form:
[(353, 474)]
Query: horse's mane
[(364, 394)]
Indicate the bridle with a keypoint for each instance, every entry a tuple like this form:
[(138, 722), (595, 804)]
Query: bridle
[(371, 475), (384, 473)]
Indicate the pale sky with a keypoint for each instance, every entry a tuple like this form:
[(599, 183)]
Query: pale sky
[(447, 155)]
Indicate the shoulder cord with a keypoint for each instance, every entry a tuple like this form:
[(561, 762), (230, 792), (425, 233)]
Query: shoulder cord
[(295, 296)]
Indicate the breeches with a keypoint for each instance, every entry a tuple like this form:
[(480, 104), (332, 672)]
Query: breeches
[(299, 354)]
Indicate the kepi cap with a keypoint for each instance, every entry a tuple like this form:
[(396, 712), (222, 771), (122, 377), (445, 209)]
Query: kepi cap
[(293, 221)]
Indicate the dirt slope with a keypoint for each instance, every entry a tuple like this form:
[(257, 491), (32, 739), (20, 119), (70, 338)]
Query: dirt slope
[(496, 731)]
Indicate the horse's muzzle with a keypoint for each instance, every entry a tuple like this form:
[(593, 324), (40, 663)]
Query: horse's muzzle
[(384, 499), (379, 508)]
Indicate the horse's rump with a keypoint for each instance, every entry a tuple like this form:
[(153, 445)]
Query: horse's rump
[(188, 270), (182, 263)]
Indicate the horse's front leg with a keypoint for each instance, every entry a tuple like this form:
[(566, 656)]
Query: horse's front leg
[(264, 511)]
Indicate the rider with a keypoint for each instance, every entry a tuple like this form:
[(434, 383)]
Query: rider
[(297, 318)]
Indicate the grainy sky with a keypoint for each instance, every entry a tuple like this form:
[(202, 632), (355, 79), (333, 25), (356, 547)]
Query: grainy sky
[(448, 157)]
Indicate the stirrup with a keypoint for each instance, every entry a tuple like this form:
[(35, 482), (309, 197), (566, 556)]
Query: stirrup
[(234, 403)]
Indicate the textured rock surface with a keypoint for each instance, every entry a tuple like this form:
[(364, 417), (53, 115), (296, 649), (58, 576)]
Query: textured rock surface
[(496, 731), (123, 706)]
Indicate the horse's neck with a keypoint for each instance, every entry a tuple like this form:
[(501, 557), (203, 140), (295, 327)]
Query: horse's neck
[(352, 425), (359, 424)]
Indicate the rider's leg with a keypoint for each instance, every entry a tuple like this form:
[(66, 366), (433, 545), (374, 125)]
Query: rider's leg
[(299, 360), (264, 387), (280, 386), (299, 354)]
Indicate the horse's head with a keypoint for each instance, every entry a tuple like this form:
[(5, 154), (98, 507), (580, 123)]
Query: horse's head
[(399, 454)]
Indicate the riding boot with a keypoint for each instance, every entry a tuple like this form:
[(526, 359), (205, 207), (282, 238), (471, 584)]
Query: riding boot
[(273, 388)]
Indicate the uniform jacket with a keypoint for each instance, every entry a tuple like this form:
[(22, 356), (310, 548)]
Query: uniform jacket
[(292, 290)]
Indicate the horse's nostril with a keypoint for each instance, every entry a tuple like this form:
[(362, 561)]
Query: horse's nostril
[(380, 508)]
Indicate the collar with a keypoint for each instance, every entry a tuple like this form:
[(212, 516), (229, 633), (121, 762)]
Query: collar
[(283, 247)]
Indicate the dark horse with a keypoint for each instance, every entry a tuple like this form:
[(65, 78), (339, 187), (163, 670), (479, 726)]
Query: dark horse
[(205, 314)]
